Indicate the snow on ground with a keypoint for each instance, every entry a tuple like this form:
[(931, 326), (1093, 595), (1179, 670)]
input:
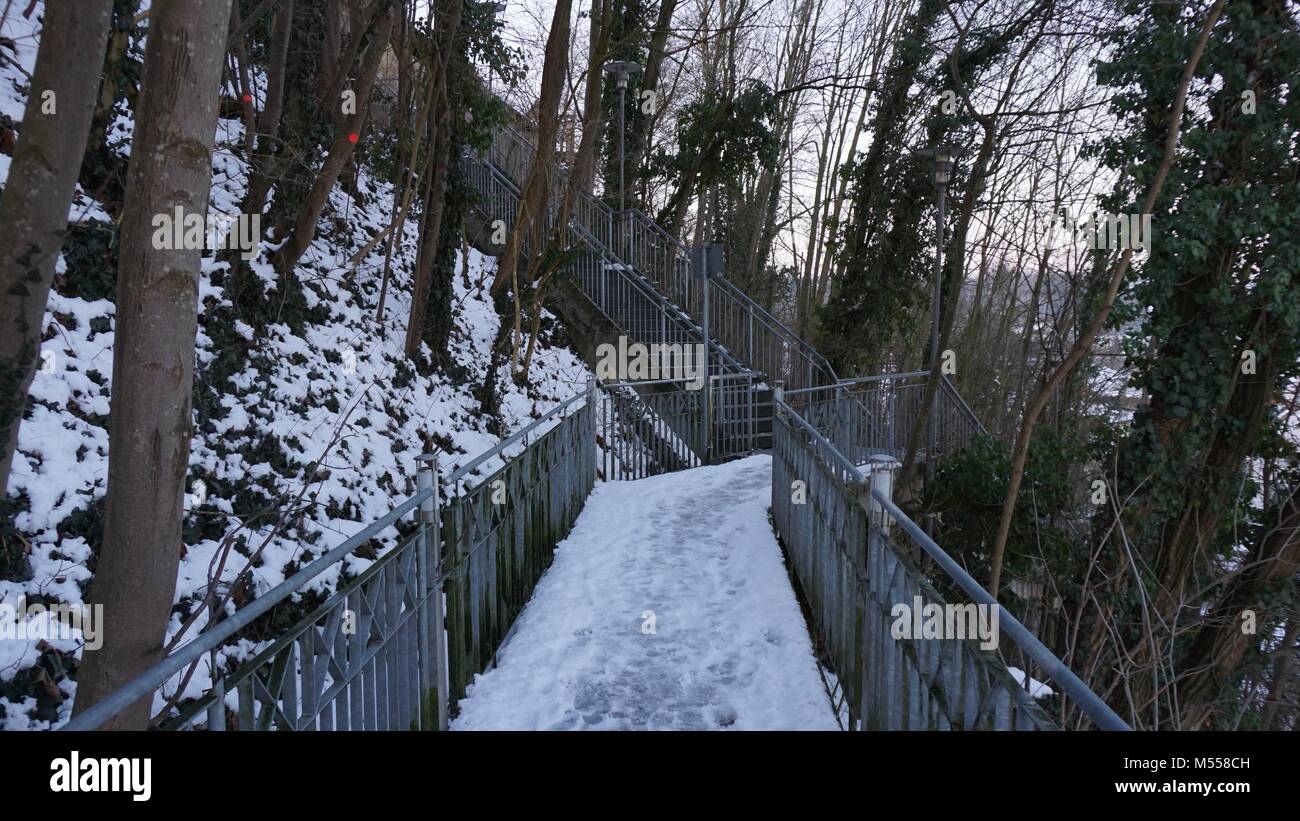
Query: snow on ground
[(1037, 689), (667, 608)]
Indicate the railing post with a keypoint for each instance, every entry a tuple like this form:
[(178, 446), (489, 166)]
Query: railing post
[(750, 344), (704, 296), (881, 478), (433, 653), (216, 710), (708, 420)]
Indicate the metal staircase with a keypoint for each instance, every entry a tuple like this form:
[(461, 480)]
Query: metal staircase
[(640, 278)]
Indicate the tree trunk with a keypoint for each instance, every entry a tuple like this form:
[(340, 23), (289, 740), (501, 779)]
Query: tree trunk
[(536, 189), (641, 129), (153, 352), (34, 208), (440, 152), (430, 233), (584, 163), (1220, 643), (304, 226), (1020, 454), (268, 121)]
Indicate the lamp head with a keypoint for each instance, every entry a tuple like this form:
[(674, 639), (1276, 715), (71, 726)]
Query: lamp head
[(620, 69), (943, 158)]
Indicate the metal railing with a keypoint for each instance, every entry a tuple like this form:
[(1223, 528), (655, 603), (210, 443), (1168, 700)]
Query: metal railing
[(740, 329), (371, 655), (616, 289), (873, 415), (736, 323), (500, 534), (658, 426), (652, 427), (836, 528)]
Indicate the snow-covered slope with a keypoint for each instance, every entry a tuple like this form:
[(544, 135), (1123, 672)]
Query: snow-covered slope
[(341, 393)]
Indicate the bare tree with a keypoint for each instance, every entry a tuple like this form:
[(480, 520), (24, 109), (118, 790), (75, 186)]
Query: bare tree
[(153, 353), (42, 178), (440, 151), (345, 140), (532, 205)]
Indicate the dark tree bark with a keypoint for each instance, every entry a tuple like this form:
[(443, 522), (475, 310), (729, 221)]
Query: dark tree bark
[(1221, 644), (430, 232), (440, 148), (304, 227), (266, 151), (34, 208), (584, 164), (153, 353), (640, 129), (532, 204)]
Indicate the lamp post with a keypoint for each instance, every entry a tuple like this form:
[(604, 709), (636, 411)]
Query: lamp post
[(942, 159), (620, 69)]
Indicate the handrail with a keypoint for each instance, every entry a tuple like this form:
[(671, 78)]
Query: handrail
[(144, 684), (952, 392), (460, 472), (851, 470), (520, 150), (859, 380), (671, 311), (1091, 704), (777, 325)]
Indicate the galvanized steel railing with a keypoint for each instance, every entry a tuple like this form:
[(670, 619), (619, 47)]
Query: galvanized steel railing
[(853, 575), (658, 426), (873, 415), (616, 289), (736, 323), (739, 328), (500, 534), (375, 655), (649, 428), (371, 655)]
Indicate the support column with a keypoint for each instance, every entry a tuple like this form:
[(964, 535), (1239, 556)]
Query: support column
[(433, 637)]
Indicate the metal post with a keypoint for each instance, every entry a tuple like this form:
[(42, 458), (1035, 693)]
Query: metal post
[(433, 666), (704, 288), (881, 479), (622, 105), (932, 422), (217, 709), (708, 420)]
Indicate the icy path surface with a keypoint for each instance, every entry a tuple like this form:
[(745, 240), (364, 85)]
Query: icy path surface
[(668, 607)]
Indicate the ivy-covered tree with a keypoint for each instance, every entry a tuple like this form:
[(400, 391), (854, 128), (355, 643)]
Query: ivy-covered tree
[(1212, 319), (718, 140)]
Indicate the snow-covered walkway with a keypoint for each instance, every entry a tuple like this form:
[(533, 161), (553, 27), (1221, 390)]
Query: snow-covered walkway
[(668, 607)]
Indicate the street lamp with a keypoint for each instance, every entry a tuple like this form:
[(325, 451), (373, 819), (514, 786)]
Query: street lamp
[(942, 157), (620, 69)]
